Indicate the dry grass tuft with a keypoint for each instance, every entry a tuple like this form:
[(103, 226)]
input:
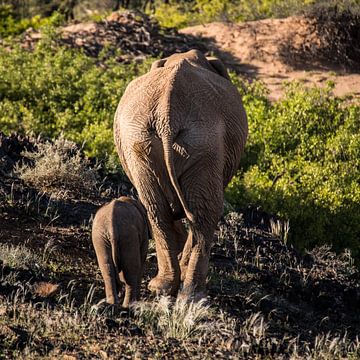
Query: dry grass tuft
[(59, 169), (19, 257), (280, 229), (45, 289), (255, 326), (180, 320)]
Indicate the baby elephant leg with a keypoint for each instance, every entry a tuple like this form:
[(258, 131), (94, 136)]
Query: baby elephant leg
[(131, 274), (107, 268)]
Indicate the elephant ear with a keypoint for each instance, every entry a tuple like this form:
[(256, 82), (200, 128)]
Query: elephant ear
[(158, 64), (219, 67)]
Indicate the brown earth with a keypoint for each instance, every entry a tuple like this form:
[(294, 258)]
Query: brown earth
[(276, 302), (260, 49)]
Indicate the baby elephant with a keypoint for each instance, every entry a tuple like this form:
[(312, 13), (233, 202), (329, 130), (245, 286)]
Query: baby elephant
[(120, 237)]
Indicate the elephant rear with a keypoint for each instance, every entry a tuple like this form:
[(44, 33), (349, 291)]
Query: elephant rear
[(172, 119), (180, 131)]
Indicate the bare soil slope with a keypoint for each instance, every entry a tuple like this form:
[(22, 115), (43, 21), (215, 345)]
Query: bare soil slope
[(260, 49), (267, 300)]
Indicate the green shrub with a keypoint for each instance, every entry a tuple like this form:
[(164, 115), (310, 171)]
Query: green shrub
[(10, 25), (182, 14), (55, 90), (302, 162)]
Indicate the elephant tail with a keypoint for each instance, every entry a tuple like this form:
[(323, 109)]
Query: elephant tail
[(169, 162)]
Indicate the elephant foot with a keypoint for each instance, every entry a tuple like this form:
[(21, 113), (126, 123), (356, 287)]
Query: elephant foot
[(112, 300), (163, 286), (126, 303), (191, 294)]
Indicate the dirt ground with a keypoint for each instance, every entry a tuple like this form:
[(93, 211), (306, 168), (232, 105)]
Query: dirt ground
[(267, 300), (256, 50)]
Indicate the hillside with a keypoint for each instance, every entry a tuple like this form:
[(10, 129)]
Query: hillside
[(266, 299), (272, 50)]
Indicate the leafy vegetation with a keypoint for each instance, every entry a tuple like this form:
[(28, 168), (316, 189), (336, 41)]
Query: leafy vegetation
[(302, 163), (182, 14), (11, 25), (55, 90)]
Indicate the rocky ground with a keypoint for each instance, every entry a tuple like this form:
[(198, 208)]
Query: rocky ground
[(127, 36), (265, 299)]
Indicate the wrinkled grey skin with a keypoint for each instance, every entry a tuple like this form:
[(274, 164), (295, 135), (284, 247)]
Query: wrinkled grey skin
[(179, 131), (120, 238)]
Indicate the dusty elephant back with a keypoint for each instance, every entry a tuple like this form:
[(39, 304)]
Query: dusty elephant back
[(118, 216), (182, 91), (183, 100)]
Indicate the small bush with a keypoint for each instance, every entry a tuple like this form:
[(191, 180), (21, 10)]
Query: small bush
[(59, 169), (302, 163), (19, 256), (54, 90)]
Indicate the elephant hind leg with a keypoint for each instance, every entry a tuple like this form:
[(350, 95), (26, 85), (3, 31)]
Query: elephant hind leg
[(109, 276), (176, 234), (181, 235), (131, 271), (167, 280), (152, 196), (108, 271), (205, 198), (195, 262)]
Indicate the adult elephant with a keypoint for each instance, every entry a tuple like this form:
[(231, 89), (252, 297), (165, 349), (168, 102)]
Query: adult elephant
[(180, 130)]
